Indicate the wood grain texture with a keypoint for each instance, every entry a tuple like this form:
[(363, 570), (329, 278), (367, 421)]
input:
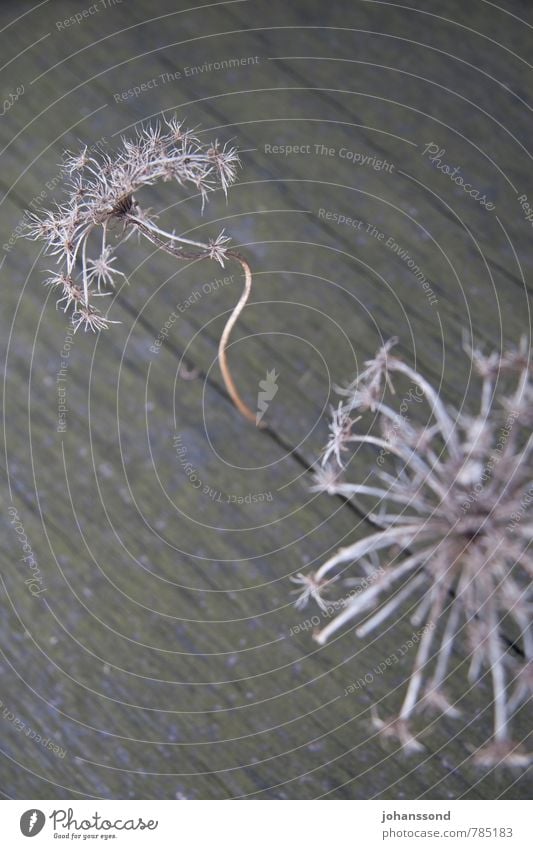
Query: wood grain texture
[(162, 656)]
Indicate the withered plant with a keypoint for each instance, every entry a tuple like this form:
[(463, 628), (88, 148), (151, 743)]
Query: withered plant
[(450, 497), (101, 193)]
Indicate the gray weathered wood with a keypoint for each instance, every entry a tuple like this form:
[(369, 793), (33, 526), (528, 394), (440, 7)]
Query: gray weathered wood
[(161, 656)]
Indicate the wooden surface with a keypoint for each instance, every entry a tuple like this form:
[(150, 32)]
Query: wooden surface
[(162, 656)]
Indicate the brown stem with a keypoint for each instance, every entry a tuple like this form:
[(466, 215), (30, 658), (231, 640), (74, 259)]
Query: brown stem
[(222, 345), (243, 408)]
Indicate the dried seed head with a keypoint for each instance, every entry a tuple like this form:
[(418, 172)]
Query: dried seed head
[(454, 506), (101, 188)]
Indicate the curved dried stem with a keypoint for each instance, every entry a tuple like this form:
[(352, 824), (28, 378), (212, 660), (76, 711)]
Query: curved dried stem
[(223, 344), (181, 253)]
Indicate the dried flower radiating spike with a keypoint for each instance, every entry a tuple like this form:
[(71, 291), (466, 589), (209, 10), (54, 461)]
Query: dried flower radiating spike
[(312, 589), (101, 270), (340, 428)]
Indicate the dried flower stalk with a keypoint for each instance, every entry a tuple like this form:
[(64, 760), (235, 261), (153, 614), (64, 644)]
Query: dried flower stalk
[(102, 192), (452, 501)]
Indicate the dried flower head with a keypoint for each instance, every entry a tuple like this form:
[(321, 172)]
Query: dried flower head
[(102, 192), (455, 526)]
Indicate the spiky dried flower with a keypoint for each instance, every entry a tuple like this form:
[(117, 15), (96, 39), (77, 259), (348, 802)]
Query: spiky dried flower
[(455, 529), (102, 191)]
